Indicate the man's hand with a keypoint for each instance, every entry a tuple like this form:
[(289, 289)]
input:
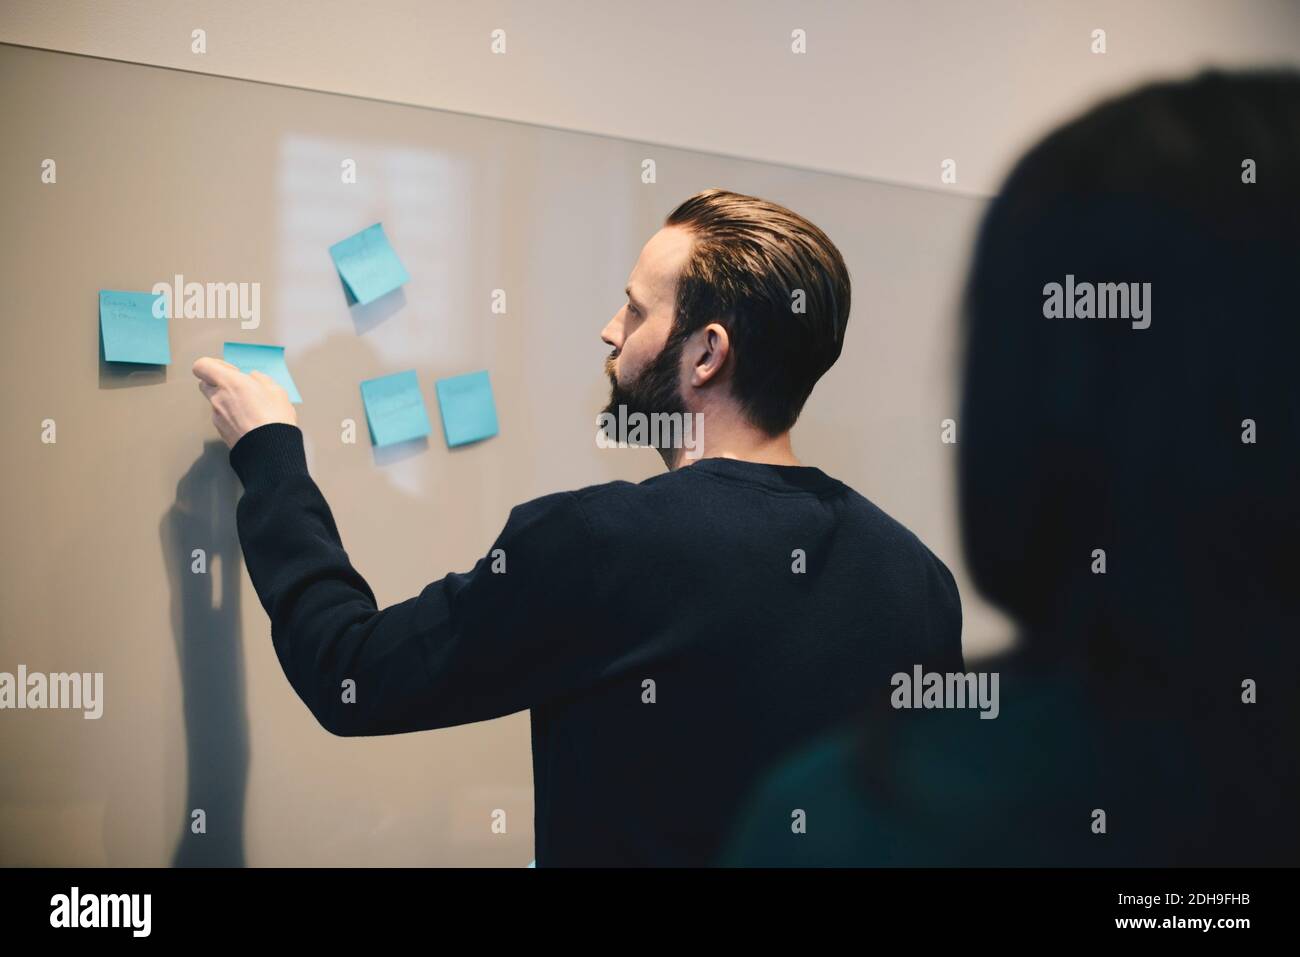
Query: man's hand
[(241, 401)]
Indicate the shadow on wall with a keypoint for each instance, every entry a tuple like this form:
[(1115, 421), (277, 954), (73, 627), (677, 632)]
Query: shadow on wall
[(206, 629)]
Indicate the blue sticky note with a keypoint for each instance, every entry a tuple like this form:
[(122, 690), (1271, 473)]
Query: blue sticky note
[(394, 408), (368, 265), (250, 357), (133, 327), (468, 412)]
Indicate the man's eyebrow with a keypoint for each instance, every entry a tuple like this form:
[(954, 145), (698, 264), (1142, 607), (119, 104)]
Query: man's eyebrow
[(635, 301)]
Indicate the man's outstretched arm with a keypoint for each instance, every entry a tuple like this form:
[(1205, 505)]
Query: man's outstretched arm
[(469, 647)]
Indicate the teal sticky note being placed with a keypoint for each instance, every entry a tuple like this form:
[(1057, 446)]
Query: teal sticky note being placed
[(394, 408), (368, 264), (468, 412), (133, 327), (250, 357)]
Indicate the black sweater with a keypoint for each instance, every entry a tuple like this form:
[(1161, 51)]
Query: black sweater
[(661, 635)]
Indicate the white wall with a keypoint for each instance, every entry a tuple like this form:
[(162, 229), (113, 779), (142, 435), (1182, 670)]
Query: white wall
[(887, 90)]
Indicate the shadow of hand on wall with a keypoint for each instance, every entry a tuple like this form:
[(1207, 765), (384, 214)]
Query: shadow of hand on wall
[(206, 628)]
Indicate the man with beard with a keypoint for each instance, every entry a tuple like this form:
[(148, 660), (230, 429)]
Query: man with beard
[(672, 638)]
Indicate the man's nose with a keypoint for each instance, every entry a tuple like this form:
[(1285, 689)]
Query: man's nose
[(612, 334)]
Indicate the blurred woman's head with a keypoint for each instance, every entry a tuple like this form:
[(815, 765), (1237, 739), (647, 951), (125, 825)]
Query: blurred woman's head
[(1150, 430)]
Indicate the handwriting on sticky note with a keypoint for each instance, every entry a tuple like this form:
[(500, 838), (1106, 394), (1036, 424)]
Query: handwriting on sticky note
[(368, 265), (254, 357), (394, 408), (469, 413), (133, 327)]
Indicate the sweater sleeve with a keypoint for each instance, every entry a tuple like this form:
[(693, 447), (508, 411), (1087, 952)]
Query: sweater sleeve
[(503, 637)]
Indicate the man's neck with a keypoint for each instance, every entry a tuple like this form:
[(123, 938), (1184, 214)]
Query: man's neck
[(736, 441)]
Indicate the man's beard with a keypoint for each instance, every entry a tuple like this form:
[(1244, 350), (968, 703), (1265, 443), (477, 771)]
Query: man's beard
[(656, 389)]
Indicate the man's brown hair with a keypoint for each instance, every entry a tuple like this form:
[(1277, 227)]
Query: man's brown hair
[(780, 288)]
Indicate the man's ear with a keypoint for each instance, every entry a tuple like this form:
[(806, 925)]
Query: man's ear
[(711, 348)]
